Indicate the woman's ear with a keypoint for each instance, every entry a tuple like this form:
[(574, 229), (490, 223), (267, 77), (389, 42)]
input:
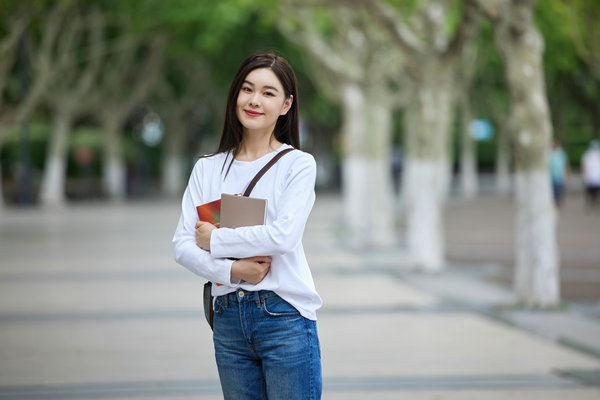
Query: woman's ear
[(287, 104)]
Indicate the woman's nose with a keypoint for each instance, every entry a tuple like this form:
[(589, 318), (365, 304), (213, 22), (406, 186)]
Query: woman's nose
[(254, 100)]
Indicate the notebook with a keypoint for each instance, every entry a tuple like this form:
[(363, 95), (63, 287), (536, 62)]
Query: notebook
[(239, 211)]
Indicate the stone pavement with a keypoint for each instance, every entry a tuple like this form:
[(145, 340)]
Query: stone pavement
[(92, 306)]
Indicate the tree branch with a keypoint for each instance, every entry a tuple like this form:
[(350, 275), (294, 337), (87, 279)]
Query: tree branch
[(78, 47), (96, 52), (403, 37), (589, 52), (308, 38), (471, 16), (8, 52), (112, 99), (43, 63)]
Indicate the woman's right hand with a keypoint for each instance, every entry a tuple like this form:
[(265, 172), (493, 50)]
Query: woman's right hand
[(251, 269)]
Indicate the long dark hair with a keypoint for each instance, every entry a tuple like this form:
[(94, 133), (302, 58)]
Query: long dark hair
[(286, 128)]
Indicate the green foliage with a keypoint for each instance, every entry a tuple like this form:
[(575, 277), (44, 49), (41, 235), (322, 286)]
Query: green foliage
[(559, 52), (37, 133), (581, 18), (88, 136), (405, 6), (573, 92), (219, 34), (488, 94), (454, 16)]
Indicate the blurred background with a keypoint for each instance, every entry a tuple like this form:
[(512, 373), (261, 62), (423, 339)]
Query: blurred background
[(432, 123)]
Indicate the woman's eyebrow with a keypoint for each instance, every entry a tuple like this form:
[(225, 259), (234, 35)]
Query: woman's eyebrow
[(265, 87)]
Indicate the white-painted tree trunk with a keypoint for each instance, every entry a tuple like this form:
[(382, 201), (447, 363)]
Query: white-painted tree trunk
[(358, 63), (503, 177), (367, 181), (378, 142), (115, 177), (354, 175), (173, 183), (536, 278), (114, 172), (536, 241), (423, 202), (173, 170), (355, 180), (53, 185), (468, 153), (1, 186), (468, 175), (426, 172)]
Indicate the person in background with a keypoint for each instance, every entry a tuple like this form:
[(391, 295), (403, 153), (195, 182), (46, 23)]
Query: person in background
[(590, 171), (559, 168)]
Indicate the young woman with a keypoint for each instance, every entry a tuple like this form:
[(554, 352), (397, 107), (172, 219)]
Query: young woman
[(265, 336)]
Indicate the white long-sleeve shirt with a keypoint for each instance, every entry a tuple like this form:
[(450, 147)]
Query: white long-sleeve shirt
[(288, 188), (591, 167)]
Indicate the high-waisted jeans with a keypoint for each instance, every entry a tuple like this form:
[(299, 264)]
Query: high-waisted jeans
[(265, 349)]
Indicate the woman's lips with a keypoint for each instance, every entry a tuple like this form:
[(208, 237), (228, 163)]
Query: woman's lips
[(252, 113)]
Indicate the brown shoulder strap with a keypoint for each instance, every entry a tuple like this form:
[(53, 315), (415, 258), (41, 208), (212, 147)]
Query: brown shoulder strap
[(265, 169)]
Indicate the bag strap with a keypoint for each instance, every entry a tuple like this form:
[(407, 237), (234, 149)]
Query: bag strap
[(265, 169)]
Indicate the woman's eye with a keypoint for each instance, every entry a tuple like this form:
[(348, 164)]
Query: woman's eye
[(269, 94), (246, 89)]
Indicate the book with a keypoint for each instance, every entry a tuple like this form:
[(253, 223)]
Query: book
[(210, 212)]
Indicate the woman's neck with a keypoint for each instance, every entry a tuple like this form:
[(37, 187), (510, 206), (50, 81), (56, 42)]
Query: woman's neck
[(254, 147)]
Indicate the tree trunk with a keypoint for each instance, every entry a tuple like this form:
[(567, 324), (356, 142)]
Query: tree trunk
[(173, 178), (536, 277), (380, 191), (503, 179), (468, 153), (424, 217), (1, 186), (425, 174), (114, 172), (52, 192), (367, 184)]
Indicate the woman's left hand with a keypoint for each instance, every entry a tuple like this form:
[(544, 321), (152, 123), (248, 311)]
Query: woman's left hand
[(203, 232)]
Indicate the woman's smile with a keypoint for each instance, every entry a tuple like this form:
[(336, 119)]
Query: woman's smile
[(253, 113)]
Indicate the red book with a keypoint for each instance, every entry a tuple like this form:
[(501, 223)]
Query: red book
[(210, 212)]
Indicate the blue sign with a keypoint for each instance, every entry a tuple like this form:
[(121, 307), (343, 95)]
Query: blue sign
[(481, 129), (152, 133)]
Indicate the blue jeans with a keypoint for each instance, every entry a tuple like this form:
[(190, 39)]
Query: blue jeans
[(265, 349)]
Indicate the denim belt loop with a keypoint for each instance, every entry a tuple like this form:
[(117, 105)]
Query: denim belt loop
[(257, 299), (225, 300)]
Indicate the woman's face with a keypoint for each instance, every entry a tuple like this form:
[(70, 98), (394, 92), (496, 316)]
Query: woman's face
[(261, 101)]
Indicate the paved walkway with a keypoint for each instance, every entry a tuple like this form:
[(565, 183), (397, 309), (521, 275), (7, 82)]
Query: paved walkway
[(92, 306), (482, 232)]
